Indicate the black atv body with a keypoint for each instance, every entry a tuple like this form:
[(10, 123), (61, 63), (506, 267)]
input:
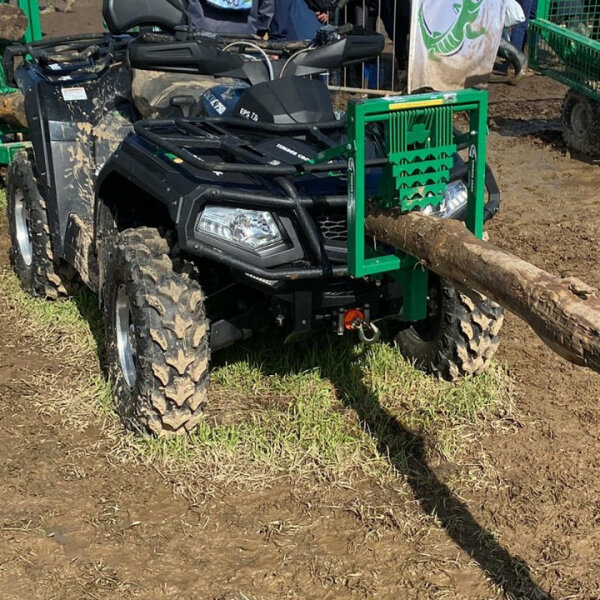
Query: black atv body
[(80, 111)]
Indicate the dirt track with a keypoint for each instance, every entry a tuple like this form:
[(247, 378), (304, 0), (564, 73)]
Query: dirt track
[(75, 524)]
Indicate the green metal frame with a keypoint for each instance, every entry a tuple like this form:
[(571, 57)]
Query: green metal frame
[(31, 9), (420, 142), (565, 44)]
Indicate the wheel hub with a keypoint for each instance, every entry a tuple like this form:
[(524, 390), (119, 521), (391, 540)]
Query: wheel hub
[(23, 228), (580, 119), (125, 333)]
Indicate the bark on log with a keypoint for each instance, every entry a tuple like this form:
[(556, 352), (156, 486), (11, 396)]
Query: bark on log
[(564, 312), (13, 22), (12, 110)]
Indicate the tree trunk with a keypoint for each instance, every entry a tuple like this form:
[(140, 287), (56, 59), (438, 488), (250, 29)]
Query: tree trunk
[(13, 23), (564, 312), (12, 110)]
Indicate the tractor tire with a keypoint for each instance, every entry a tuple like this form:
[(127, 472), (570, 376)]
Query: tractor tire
[(460, 336), (156, 336), (581, 123), (31, 252)]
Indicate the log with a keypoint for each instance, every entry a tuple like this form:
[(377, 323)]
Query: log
[(13, 22), (12, 110), (563, 312)]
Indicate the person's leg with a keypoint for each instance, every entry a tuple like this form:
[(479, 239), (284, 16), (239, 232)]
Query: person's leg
[(362, 14), (396, 20), (519, 32)]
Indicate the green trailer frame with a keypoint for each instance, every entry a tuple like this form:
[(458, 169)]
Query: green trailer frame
[(31, 8), (565, 43), (420, 140)]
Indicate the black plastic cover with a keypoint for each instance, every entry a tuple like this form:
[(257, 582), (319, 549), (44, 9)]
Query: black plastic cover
[(288, 100)]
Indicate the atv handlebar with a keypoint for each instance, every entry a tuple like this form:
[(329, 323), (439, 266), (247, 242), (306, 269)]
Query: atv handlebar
[(86, 53)]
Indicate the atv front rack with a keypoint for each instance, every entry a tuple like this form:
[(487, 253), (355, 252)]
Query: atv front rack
[(69, 59), (178, 136)]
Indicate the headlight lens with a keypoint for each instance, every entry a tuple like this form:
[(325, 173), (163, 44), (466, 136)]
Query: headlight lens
[(455, 198), (252, 229)]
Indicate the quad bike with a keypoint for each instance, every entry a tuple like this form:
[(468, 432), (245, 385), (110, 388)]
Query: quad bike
[(205, 187)]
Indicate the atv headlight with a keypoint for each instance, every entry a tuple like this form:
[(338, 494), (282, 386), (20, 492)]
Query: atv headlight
[(251, 229), (455, 198)]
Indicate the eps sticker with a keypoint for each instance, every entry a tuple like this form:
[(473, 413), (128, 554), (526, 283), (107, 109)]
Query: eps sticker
[(74, 94)]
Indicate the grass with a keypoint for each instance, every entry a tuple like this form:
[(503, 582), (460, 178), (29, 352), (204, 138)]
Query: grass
[(325, 408)]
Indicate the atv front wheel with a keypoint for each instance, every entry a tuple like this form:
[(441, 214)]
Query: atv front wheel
[(460, 335), (31, 253), (581, 123), (156, 336)]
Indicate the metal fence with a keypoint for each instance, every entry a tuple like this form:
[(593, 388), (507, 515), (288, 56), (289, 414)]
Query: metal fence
[(565, 43), (386, 73)]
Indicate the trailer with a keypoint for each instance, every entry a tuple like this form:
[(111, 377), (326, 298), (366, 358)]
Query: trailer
[(565, 45)]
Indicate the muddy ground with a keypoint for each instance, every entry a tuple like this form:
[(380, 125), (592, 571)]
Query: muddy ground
[(76, 523)]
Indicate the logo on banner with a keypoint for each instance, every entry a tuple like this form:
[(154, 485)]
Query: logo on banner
[(445, 26)]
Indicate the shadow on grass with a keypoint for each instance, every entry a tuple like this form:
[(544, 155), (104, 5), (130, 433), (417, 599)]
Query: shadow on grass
[(86, 302), (405, 449)]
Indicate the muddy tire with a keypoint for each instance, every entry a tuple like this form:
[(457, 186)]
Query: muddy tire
[(460, 336), (581, 123), (31, 253), (156, 336)]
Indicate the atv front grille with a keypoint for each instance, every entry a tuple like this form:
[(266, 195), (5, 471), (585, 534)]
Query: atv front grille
[(333, 227)]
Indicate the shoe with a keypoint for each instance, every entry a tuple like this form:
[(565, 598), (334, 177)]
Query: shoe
[(516, 59)]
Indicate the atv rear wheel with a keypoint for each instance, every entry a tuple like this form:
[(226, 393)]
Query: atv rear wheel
[(31, 253), (581, 123), (460, 335), (156, 336)]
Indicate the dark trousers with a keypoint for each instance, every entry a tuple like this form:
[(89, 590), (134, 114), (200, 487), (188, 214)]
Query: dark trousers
[(396, 19), (519, 32)]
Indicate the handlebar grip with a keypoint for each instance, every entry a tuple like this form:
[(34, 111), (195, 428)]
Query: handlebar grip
[(345, 29)]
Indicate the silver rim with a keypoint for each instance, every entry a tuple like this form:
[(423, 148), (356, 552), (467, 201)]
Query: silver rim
[(22, 228), (580, 119), (125, 336)]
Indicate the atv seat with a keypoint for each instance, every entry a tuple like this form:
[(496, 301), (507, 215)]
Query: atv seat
[(123, 15)]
